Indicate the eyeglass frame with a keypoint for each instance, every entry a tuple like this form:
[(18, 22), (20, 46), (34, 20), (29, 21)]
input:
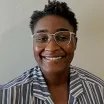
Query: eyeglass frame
[(70, 33)]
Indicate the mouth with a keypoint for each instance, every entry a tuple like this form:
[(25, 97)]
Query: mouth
[(53, 58)]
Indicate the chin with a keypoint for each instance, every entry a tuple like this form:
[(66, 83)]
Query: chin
[(53, 69)]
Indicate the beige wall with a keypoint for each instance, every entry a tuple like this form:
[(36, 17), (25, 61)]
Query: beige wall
[(16, 44)]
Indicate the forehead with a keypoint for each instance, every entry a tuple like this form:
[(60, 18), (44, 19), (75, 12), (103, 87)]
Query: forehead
[(51, 23)]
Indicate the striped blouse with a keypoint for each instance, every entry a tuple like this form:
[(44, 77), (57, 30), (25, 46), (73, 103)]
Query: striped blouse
[(31, 88)]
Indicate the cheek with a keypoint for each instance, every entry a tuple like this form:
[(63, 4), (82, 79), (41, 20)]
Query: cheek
[(71, 47), (70, 55), (70, 51), (37, 51)]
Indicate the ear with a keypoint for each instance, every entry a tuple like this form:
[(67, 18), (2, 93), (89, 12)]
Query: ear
[(75, 42)]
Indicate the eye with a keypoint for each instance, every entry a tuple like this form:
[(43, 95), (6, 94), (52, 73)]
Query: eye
[(41, 38), (62, 36)]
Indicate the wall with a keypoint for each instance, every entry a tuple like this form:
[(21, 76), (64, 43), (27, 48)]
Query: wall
[(16, 44)]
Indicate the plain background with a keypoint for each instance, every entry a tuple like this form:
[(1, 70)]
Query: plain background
[(16, 55)]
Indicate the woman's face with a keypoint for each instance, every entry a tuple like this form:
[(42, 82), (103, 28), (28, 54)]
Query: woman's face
[(52, 58)]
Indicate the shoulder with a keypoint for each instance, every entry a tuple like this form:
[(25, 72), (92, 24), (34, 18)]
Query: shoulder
[(26, 77), (88, 77)]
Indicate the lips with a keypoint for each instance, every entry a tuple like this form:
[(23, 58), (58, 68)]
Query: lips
[(53, 58)]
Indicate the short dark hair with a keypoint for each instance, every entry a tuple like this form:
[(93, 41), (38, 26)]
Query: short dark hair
[(54, 8)]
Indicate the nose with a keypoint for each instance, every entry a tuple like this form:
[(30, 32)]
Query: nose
[(52, 46)]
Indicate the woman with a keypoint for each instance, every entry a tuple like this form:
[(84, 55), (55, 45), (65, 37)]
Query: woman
[(54, 80)]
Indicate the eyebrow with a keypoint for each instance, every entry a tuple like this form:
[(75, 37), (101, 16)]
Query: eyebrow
[(42, 30), (62, 29), (45, 30)]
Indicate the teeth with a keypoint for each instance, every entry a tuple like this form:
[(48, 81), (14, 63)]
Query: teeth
[(53, 58)]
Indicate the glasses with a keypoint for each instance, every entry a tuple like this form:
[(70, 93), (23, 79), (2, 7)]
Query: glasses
[(62, 38)]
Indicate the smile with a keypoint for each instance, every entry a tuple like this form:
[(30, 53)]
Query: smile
[(53, 58)]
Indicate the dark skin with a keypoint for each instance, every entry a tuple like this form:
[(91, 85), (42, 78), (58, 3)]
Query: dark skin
[(55, 71)]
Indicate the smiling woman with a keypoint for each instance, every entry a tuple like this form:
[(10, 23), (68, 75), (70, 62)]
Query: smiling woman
[(61, 53), (54, 80)]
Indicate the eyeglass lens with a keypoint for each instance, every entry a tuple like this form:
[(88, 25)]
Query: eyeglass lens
[(61, 38)]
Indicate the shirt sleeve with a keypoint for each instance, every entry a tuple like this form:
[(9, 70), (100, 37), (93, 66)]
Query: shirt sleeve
[(20, 94), (6, 95)]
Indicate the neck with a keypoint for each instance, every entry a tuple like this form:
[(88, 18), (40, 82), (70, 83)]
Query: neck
[(57, 79)]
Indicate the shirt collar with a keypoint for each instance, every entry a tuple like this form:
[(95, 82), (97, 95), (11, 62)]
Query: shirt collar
[(40, 88), (76, 85)]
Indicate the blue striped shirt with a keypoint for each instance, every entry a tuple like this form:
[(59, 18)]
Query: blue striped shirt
[(31, 88)]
